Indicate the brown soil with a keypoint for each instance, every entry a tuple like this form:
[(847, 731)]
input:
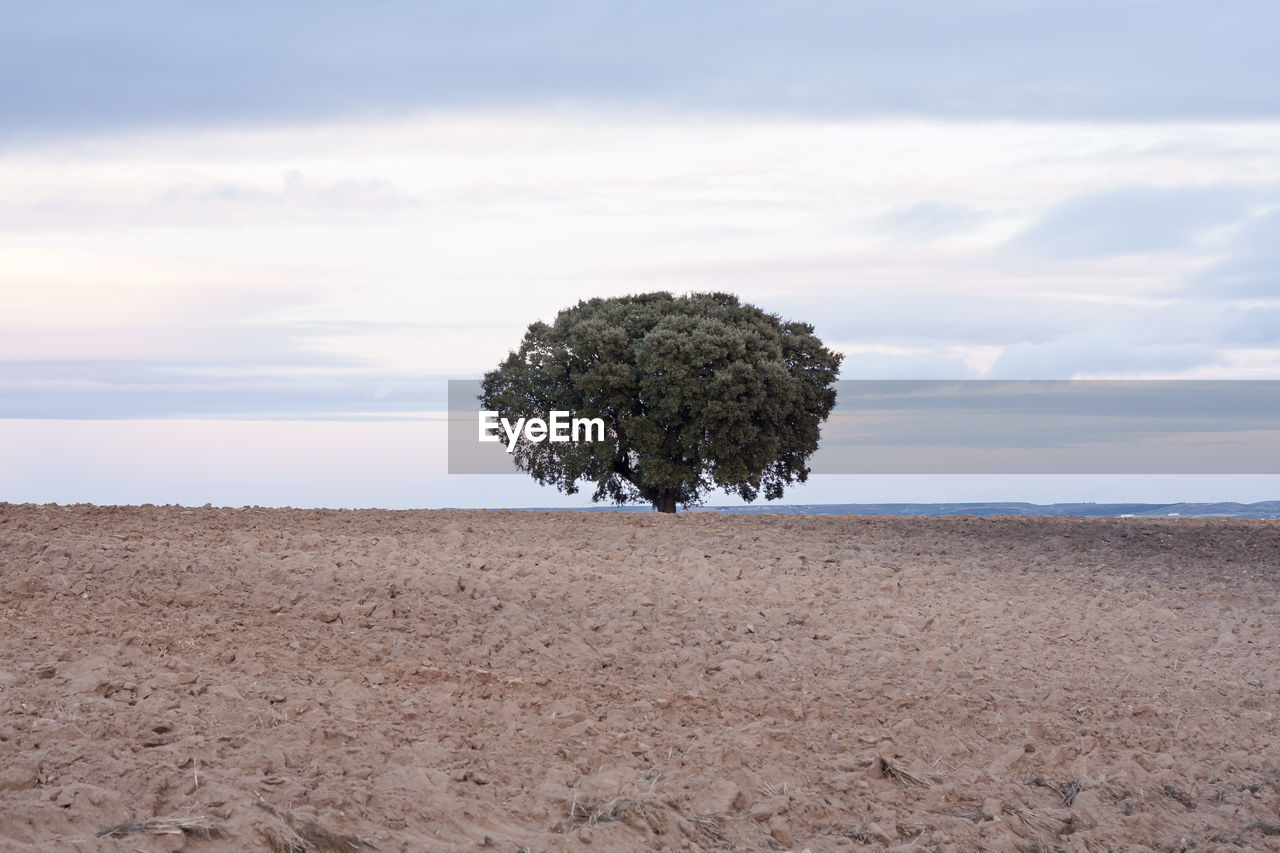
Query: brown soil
[(218, 679)]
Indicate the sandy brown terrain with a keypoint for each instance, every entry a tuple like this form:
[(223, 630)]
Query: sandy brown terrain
[(337, 680)]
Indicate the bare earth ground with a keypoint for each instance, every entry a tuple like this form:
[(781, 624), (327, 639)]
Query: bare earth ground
[(337, 680)]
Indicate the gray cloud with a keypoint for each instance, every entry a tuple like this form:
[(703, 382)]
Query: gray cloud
[(1134, 220), (1257, 327), (1253, 269), (230, 370), (106, 390), (87, 65)]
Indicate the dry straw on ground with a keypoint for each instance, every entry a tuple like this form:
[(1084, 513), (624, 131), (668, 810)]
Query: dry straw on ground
[(197, 826), (294, 835)]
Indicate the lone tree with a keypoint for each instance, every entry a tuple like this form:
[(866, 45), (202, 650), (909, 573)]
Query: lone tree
[(696, 392)]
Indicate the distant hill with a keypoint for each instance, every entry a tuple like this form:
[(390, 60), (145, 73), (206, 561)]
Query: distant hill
[(1263, 509)]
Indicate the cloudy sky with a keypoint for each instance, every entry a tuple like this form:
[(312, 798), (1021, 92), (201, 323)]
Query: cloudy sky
[(244, 245)]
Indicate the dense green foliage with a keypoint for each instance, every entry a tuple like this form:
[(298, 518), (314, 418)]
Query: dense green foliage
[(697, 392)]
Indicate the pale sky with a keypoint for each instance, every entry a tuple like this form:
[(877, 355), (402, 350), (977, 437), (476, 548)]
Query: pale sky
[(242, 248)]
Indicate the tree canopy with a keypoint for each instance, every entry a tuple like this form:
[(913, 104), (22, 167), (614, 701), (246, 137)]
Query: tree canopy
[(696, 392)]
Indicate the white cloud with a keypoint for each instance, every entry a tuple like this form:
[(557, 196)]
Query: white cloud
[(930, 220), (1252, 270), (1093, 356), (902, 365), (425, 245), (1137, 220)]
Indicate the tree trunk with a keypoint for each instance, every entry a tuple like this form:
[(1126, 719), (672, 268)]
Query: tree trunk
[(666, 501)]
